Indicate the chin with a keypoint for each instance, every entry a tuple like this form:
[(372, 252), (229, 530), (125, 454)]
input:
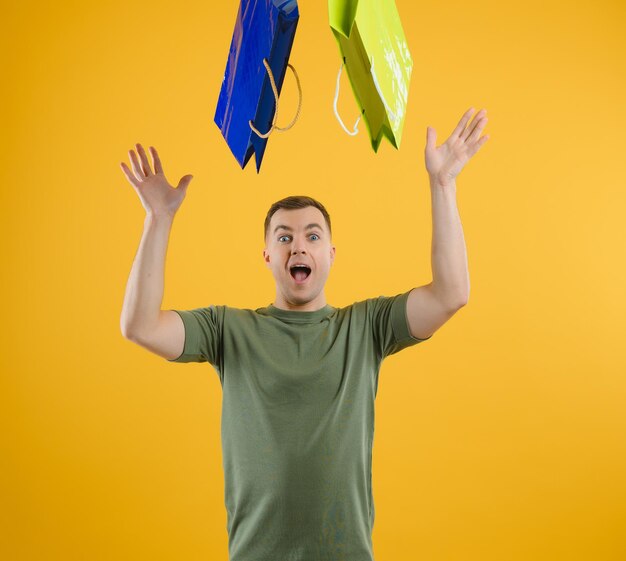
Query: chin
[(302, 297)]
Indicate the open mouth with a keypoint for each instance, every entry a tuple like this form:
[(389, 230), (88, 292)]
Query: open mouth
[(300, 273)]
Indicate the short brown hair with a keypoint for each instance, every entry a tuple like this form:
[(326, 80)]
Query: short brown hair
[(293, 202)]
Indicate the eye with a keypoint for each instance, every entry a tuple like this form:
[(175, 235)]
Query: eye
[(286, 236)]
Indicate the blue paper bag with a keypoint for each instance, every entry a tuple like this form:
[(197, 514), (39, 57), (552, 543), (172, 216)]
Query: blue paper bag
[(259, 51)]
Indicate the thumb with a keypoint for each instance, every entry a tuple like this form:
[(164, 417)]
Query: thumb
[(431, 138), (184, 182)]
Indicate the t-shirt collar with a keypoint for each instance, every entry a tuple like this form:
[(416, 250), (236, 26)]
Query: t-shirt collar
[(300, 317)]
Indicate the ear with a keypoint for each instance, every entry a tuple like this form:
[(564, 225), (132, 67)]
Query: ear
[(266, 257), (332, 254)]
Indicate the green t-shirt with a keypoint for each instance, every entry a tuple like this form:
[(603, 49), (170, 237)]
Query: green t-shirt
[(298, 392)]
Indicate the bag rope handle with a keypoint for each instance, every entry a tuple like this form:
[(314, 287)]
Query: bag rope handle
[(275, 90), (355, 131)]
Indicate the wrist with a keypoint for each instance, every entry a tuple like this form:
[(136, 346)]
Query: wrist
[(436, 182), (159, 217)]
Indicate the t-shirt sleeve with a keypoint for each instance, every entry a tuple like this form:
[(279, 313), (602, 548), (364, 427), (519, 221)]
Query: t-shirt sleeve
[(390, 324), (203, 335)]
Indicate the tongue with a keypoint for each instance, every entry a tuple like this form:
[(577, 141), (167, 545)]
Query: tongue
[(300, 275)]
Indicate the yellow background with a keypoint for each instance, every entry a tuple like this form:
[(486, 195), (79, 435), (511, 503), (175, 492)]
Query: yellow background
[(502, 438)]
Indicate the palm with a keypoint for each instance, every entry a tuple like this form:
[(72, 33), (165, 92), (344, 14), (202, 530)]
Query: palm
[(155, 192), (445, 162)]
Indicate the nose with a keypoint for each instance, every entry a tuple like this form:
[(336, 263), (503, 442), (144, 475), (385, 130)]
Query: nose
[(297, 247)]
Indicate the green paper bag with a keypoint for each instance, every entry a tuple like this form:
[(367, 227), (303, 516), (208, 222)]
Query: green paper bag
[(377, 58)]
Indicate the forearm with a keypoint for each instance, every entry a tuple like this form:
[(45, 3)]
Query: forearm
[(449, 255), (144, 290)]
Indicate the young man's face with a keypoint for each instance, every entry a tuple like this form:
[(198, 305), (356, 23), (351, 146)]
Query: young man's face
[(289, 241)]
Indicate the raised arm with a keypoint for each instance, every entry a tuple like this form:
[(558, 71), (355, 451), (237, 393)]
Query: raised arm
[(142, 320), (431, 305)]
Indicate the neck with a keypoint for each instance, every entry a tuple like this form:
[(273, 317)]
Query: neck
[(311, 306)]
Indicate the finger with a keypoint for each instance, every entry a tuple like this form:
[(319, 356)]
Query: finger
[(184, 182), (136, 167), (461, 126), (477, 119), (156, 160), (478, 145), (477, 130), (145, 165), (431, 138), (129, 175)]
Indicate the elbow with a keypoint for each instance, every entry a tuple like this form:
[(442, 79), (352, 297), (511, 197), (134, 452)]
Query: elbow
[(452, 298), (455, 306), (126, 332), (129, 329), (463, 298), (459, 302)]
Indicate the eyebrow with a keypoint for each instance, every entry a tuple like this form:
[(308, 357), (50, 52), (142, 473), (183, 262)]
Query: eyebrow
[(308, 227)]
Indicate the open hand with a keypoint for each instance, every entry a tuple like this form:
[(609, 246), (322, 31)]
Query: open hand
[(156, 194), (445, 162)]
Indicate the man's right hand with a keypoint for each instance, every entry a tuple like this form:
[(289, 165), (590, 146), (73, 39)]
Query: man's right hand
[(156, 194)]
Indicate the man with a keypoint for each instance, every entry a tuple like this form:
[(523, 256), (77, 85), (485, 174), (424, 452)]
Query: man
[(299, 377)]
